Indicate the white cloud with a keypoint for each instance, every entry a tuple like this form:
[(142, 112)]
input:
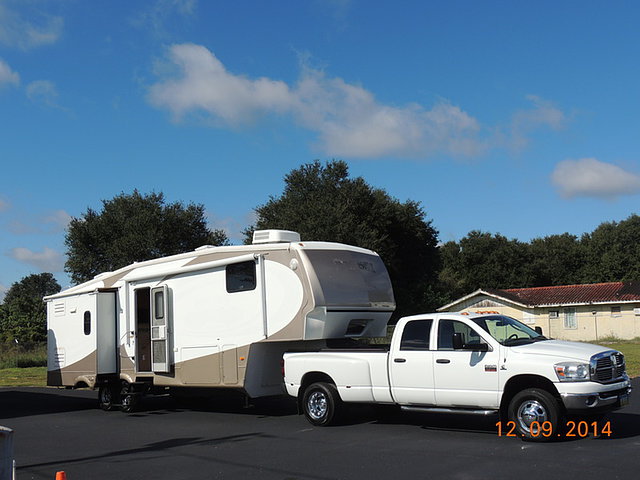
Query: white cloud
[(46, 261), (157, 15), (25, 26), (55, 221), (347, 118), (58, 220), (543, 114), (589, 177), (3, 291), (43, 92), (4, 206), (203, 83), (8, 76)]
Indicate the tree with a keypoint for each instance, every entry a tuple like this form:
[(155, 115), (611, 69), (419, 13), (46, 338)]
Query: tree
[(613, 252), (132, 228), (23, 313), (321, 202), (557, 260), (484, 260)]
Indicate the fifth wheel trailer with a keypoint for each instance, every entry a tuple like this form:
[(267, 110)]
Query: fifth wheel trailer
[(216, 317)]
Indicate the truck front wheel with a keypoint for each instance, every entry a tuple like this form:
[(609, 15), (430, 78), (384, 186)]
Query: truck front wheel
[(321, 404), (535, 405)]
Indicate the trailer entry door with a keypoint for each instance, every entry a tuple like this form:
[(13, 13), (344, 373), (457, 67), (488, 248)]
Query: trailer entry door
[(159, 329), (106, 332)]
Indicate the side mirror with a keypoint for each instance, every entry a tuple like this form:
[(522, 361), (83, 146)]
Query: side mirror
[(538, 330), (458, 344), (458, 341)]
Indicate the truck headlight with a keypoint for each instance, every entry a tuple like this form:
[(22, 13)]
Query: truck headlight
[(572, 372)]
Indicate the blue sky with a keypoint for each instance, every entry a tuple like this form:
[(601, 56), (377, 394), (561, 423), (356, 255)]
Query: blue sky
[(517, 117)]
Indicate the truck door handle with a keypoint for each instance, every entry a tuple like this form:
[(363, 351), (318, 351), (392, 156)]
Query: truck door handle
[(443, 360), (399, 360)]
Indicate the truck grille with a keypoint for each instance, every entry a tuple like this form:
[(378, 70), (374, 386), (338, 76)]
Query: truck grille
[(607, 367)]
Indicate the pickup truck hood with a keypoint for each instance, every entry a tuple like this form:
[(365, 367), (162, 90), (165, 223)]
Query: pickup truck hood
[(559, 348)]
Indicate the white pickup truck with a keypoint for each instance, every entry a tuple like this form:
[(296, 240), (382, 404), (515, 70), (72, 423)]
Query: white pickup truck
[(456, 363)]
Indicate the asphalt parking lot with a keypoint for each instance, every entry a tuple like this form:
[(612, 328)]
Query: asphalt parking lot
[(64, 430)]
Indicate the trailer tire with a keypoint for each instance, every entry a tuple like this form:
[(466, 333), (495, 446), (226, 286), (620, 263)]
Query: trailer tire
[(536, 405), (107, 397), (321, 404), (128, 399)]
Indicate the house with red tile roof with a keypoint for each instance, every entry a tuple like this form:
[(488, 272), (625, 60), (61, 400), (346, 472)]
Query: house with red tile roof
[(569, 312)]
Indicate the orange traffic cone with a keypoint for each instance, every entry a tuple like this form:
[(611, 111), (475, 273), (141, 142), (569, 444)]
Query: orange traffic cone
[(61, 476)]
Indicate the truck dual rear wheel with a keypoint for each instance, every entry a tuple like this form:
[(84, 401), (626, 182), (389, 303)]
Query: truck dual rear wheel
[(536, 405), (321, 404), (107, 397)]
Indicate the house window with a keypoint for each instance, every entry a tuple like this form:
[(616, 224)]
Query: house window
[(616, 311), (553, 314), (570, 322), (241, 277)]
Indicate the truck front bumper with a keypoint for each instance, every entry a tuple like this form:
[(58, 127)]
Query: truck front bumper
[(598, 400)]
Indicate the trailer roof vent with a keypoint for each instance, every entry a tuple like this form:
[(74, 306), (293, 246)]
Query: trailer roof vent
[(275, 236)]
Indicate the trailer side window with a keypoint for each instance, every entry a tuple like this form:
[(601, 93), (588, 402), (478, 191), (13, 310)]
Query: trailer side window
[(87, 322), (241, 277), (415, 335)]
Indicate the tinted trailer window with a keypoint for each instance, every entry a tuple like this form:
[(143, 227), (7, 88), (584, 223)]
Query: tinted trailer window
[(351, 278)]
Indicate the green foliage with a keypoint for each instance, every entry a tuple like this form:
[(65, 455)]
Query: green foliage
[(557, 260), (321, 202), (132, 228), (23, 312), (23, 355), (483, 260), (613, 252)]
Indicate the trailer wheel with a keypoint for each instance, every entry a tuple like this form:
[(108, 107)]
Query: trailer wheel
[(128, 399), (107, 397), (321, 404), (536, 405)]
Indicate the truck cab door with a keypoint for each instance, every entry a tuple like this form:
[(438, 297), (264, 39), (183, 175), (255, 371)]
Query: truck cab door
[(465, 377), (410, 365), (160, 330)]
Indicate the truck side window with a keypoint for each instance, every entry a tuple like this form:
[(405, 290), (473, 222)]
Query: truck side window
[(446, 329), (415, 335), (241, 277)]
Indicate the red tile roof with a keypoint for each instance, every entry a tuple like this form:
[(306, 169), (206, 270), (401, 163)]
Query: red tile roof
[(572, 294)]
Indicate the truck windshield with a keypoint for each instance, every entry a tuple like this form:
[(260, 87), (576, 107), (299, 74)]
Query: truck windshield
[(350, 278), (508, 331)]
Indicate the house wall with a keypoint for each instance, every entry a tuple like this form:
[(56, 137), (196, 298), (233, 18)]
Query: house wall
[(593, 322), (588, 326)]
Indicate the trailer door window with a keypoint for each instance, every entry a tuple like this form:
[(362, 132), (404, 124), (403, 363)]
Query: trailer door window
[(241, 277)]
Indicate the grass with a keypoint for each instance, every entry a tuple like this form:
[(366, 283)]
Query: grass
[(17, 356), (23, 367), (23, 377)]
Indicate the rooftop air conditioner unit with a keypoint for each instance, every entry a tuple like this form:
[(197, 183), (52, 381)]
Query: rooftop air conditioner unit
[(275, 236)]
